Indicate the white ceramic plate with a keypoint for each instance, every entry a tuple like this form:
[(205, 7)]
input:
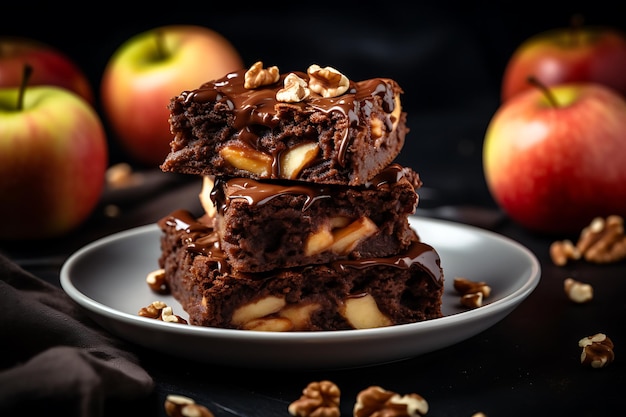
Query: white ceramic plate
[(107, 277)]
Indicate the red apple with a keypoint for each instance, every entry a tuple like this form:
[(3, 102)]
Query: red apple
[(555, 158), (148, 70), (575, 54), (51, 66), (53, 159)]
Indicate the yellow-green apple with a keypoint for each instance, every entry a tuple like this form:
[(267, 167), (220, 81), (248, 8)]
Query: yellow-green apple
[(555, 157), (53, 159), (575, 54), (150, 68), (51, 66)]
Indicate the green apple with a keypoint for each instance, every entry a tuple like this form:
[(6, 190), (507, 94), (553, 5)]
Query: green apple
[(53, 159), (554, 158), (574, 54), (50, 66), (150, 68)]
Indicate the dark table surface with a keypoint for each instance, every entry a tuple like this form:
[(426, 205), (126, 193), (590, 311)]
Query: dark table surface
[(526, 364)]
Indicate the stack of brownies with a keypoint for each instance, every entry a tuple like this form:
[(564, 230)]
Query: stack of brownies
[(306, 224)]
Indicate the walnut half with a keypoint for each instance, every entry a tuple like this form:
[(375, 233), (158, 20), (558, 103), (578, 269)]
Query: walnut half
[(295, 90), (597, 350), (376, 401), (257, 76), (319, 399), (327, 81)]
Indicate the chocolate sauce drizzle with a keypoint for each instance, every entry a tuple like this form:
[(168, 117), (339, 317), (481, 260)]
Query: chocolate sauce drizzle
[(258, 193), (418, 253), (200, 238), (259, 106)]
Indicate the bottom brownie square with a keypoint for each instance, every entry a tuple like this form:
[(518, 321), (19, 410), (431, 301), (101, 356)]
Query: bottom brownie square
[(340, 295)]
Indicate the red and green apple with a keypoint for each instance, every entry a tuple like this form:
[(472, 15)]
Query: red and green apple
[(555, 157), (150, 68), (53, 159)]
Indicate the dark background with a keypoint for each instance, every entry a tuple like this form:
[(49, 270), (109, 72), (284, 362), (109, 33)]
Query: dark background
[(449, 57)]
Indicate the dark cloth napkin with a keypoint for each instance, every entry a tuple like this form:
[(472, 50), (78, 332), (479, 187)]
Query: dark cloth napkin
[(53, 357)]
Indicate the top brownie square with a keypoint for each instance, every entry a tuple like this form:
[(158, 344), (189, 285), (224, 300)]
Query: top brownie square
[(316, 126)]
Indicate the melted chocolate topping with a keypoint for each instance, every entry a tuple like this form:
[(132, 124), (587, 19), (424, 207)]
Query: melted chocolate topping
[(259, 106), (257, 193), (418, 253), (202, 239), (198, 237)]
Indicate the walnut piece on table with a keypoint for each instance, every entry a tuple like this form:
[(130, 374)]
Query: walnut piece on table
[(319, 399), (577, 291), (597, 350), (602, 241), (180, 406), (376, 401)]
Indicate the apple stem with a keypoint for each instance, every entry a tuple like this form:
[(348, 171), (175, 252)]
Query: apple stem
[(28, 71), (160, 45), (546, 91), (576, 24)]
